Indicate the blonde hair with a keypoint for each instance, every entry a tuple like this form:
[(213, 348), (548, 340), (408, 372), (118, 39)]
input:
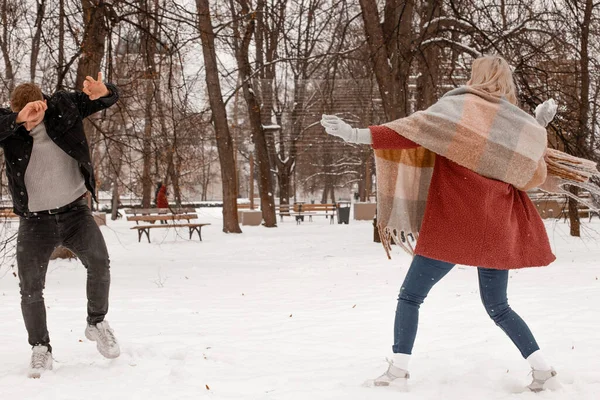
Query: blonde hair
[(493, 75)]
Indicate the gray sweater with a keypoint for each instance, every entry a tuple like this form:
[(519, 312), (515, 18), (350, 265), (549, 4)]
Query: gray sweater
[(52, 178)]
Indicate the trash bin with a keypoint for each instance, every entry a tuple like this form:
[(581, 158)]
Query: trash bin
[(343, 213)]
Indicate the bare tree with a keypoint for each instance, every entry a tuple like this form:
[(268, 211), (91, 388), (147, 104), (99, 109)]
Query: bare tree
[(37, 36), (243, 31), (391, 54), (219, 117), (10, 12)]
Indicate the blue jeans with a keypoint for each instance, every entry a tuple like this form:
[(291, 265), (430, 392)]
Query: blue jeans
[(425, 272)]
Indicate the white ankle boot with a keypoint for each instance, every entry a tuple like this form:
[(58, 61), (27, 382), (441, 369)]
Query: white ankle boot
[(41, 361), (393, 376), (544, 380)]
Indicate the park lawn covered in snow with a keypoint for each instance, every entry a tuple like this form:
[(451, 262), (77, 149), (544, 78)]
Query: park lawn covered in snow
[(299, 312)]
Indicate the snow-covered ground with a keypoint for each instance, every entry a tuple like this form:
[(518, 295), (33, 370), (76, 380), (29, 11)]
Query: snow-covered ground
[(298, 312)]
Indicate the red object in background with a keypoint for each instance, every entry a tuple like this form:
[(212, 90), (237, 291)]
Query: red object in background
[(161, 198)]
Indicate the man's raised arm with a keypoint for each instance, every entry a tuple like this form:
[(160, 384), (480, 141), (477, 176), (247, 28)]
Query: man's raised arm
[(95, 96)]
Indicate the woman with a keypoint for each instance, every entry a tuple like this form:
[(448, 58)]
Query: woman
[(454, 177), (161, 197)]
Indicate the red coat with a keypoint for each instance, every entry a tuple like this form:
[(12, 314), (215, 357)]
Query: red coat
[(161, 198), (472, 220)]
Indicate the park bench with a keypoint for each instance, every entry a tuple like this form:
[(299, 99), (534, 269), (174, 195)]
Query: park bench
[(299, 211), (164, 216), (152, 211), (7, 216), (145, 229), (8, 213), (149, 214), (583, 213), (291, 210), (327, 210)]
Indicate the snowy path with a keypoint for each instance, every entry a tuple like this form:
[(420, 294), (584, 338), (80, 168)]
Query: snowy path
[(298, 312)]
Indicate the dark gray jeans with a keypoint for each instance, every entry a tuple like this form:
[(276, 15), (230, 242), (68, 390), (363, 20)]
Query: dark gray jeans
[(38, 236)]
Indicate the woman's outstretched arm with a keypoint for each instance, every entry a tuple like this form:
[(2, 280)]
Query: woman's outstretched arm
[(383, 137), (380, 137)]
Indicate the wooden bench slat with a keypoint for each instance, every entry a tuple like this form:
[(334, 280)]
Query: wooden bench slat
[(149, 211), (166, 226), (141, 229), (170, 217)]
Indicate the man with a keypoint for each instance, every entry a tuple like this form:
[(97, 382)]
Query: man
[(49, 172)]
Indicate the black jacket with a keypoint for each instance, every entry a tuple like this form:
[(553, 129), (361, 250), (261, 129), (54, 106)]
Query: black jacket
[(64, 124)]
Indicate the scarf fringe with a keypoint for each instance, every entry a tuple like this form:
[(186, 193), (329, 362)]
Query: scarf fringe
[(390, 235), (590, 187), (569, 167), (574, 171)]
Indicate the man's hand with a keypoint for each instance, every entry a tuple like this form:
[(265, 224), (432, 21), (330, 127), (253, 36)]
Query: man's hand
[(32, 114), (95, 89), (545, 112)]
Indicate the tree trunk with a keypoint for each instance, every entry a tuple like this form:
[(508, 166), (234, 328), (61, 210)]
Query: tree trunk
[(176, 173), (390, 50), (35, 41), (242, 45), (115, 200), (95, 32), (575, 222), (390, 47), (205, 177), (5, 47), (428, 60), (368, 175), (61, 45), (147, 146), (584, 109), (148, 43), (289, 165), (219, 118), (269, 18), (325, 193), (117, 165), (285, 187), (94, 39)]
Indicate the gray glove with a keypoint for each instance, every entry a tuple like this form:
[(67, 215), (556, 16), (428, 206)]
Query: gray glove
[(335, 126), (545, 112)]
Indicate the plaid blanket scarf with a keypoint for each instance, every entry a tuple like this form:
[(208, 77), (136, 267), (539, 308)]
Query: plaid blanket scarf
[(483, 133)]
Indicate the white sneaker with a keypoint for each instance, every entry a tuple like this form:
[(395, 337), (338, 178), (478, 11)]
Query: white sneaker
[(41, 360), (105, 339), (393, 376), (544, 380)]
